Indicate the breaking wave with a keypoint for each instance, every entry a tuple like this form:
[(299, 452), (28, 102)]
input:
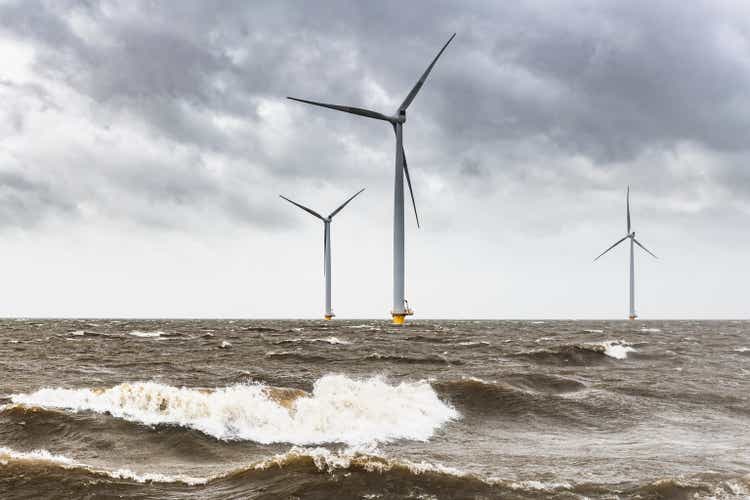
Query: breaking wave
[(338, 410), (148, 335), (580, 353), (44, 457)]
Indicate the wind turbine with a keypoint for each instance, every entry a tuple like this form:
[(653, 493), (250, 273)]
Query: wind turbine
[(326, 245), (630, 235), (400, 307)]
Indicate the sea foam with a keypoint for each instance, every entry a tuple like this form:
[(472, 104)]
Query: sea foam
[(339, 409), (616, 349)]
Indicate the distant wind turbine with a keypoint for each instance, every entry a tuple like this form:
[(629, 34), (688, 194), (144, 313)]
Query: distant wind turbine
[(630, 235), (400, 307), (326, 245)]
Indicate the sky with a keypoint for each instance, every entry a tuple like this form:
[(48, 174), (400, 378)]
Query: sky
[(143, 146)]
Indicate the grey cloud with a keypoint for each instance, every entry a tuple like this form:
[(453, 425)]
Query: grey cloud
[(539, 94)]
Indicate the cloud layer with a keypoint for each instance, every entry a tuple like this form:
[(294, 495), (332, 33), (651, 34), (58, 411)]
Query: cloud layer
[(171, 116)]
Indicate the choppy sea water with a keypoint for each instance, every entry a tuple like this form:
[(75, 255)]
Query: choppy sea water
[(361, 409)]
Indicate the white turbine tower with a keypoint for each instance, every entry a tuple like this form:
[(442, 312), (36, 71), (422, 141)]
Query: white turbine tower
[(630, 235), (400, 307), (326, 245)]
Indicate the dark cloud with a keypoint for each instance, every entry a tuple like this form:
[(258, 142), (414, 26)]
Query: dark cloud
[(568, 94)]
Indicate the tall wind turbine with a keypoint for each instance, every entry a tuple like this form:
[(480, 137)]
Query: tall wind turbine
[(630, 235), (400, 307), (326, 245)]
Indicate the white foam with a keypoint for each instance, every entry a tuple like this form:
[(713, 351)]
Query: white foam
[(617, 349), (154, 334), (8, 455), (332, 340), (368, 459), (741, 349), (339, 409), (594, 331), (326, 340), (78, 333), (654, 330), (225, 344), (479, 342), (539, 486)]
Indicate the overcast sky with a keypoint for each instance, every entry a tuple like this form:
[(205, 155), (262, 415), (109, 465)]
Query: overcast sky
[(143, 146)]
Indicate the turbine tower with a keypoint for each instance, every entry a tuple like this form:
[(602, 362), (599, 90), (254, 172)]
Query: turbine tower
[(326, 245), (400, 307), (630, 235)]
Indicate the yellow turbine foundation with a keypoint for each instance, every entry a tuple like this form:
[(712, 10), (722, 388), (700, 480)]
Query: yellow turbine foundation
[(631, 318), (328, 317), (400, 318)]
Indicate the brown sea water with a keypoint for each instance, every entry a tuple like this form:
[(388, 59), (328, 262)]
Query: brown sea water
[(361, 409)]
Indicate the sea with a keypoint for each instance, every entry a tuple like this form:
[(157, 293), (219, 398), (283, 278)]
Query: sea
[(266, 409)]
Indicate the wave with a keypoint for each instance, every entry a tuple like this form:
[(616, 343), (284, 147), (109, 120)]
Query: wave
[(339, 409), (477, 343), (413, 360), (326, 340), (300, 470), (362, 327), (295, 355), (356, 473), (148, 334), (518, 395), (580, 353), (9, 456), (616, 349)]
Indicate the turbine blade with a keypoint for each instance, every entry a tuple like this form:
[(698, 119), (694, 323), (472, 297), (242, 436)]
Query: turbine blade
[(347, 109), (310, 211), (628, 204), (408, 180), (345, 204), (610, 248), (423, 78), (646, 249), (411, 191)]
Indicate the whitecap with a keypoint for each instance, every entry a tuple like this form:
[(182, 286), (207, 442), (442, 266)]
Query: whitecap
[(8, 455), (617, 349), (139, 333), (542, 339), (339, 409)]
